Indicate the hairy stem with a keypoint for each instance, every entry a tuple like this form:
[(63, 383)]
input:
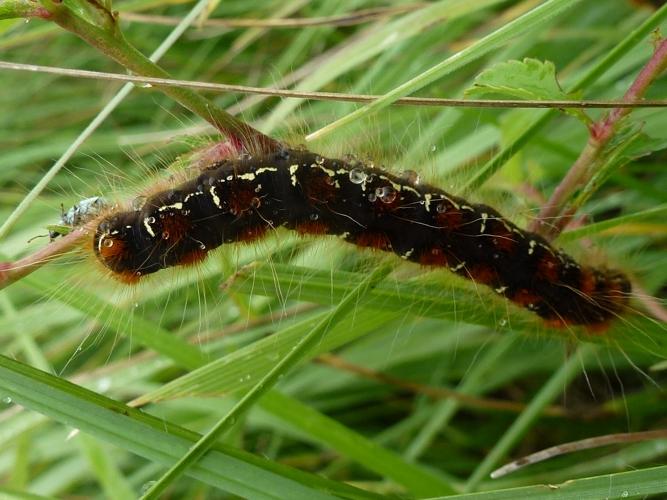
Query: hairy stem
[(555, 215)]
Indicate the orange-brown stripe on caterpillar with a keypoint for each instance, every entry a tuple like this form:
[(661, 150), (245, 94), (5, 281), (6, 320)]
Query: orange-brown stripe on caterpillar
[(239, 200)]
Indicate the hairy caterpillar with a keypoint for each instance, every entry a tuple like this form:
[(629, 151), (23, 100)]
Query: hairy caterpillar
[(240, 200)]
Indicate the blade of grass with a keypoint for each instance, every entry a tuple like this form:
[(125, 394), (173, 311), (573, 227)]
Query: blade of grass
[(598, 227), (529, 21), (113, 483), (589, 77), (373, 42), (159, 440), (471, 384), (269, 380), (97, 121), (552, 389), (436, 300), (634, 484), (418, 480)]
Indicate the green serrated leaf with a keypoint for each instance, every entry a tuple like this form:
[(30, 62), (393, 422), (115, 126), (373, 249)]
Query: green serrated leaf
[(529, 79)]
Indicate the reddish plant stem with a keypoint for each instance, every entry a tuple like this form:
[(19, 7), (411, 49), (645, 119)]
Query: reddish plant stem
[(108, 39), (555, 216), (13, 271), (436, 393)]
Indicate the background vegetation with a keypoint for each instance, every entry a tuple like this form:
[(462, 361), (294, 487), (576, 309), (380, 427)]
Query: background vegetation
[(430, 382)]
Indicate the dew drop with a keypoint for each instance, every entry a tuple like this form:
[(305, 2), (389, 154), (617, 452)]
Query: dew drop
[(165, 235), (411, 176), (386, 194), (255, 202), (283, 154), (147, 486), (314, 216), (245, 156), (7, 400), (441, 208), (138, 203), (502, 323), (103, 384), (202, 246), (319, 160), (151, 220), (372, 197), (357, 176), (433, 148), (108, 243), (146, 86), (351, 159)]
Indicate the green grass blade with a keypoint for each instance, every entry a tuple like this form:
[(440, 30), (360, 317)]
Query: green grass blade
[(635, 484), (416, 479), (156, 439), (529, 21), (298, 352), (613, 56), (549, 391)]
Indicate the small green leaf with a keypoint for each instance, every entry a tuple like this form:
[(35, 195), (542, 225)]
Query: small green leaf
[(529, 79)]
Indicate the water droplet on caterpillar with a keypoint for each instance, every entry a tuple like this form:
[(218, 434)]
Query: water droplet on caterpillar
[(165, 235), (372, 197), (411, 176), (441, 208), (255, 202), (138, 203), (314, 216), (351, 159), (283, 154), (151, 220), (108, 243), (357, 176), (386, 194), (319, 160)]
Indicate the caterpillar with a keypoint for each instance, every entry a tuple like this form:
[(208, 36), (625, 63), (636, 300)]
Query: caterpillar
[(240, 200)]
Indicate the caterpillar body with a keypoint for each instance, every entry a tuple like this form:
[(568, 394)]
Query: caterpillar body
[(240, 200)]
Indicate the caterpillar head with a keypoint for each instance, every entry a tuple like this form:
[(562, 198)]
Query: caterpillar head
[(120, 247)]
